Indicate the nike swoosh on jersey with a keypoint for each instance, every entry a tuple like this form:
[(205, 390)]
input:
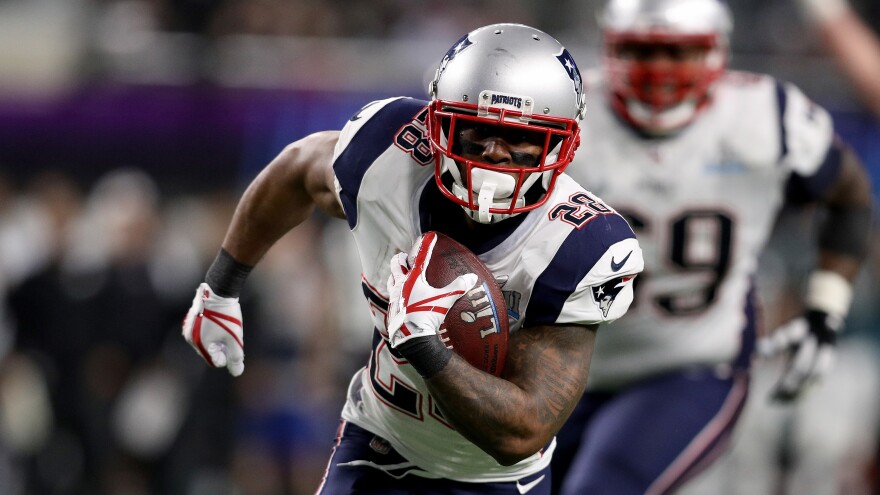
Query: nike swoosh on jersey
[(617, 266), (359, 114), (523, 489)]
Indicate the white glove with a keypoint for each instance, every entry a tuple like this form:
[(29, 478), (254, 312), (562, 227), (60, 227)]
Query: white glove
[(213, 328), (415, 308), (809, 342)]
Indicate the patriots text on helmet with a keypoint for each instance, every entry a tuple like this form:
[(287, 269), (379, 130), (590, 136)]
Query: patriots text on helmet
[(513, 101)]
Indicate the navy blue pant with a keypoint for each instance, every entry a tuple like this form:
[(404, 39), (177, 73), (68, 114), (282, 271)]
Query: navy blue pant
[(649, 437), (364, 464)]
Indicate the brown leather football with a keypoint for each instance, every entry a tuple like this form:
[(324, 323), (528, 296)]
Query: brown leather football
[(476, 326)]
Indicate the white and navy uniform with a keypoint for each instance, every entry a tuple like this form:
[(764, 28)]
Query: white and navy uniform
[(703, 203), (570, 261)]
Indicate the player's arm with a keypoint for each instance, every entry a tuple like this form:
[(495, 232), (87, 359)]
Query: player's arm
[(843, 236), (512, 418), (854, 45), (281, 197), (843, 241)]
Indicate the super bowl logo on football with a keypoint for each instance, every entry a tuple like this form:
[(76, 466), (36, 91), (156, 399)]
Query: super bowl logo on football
[(484, 310), (477, 325), (483, 315)]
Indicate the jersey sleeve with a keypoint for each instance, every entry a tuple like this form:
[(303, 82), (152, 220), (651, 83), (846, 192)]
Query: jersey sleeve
[(771, 124), (808, 147), (590, 279), (605, 295), (363, 139), (806, 130)]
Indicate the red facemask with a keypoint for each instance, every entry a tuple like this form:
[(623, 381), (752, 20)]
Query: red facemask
[(661, 72), (560, 138)]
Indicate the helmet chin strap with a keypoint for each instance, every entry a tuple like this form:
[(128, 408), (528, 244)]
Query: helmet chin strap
[(482, 214), (486, 184), (486, 199)]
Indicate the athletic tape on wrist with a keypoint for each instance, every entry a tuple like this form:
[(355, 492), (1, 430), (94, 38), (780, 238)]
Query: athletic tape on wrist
[(226, 276), (428, 355), (829, 292)]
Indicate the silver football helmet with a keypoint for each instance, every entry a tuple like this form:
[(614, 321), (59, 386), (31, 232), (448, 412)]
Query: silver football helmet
[(504, 77), (665, 93)]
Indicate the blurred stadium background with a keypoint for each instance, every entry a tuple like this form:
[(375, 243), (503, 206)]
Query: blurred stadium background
[(128, 128)]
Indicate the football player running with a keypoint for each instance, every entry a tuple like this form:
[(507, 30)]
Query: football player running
[(700, 160), (482, 162)]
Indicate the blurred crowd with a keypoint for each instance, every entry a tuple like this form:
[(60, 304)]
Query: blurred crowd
[(312, 18), (181, 41), (96, 385), (406, 18)]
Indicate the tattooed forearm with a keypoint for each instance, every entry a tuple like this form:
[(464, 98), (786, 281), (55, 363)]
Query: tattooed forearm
[(546, 373), (552, 367)]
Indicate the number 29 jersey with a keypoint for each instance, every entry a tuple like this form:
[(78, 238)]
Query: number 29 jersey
[(570, 261), (703, 203)]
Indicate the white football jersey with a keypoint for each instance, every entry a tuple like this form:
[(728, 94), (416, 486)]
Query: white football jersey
[(702, 203), (571, 261)]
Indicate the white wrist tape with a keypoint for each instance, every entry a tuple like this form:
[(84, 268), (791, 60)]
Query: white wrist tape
[(830, 292)]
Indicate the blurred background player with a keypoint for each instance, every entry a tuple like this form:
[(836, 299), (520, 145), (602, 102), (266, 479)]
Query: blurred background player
[(700, 160), (481, 162), (825, 443)]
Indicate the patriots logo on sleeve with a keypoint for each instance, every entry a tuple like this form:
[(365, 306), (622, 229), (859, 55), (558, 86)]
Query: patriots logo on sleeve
[(606, 293)]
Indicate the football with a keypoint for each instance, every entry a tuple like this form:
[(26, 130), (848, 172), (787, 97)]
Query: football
[(476, 326)]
